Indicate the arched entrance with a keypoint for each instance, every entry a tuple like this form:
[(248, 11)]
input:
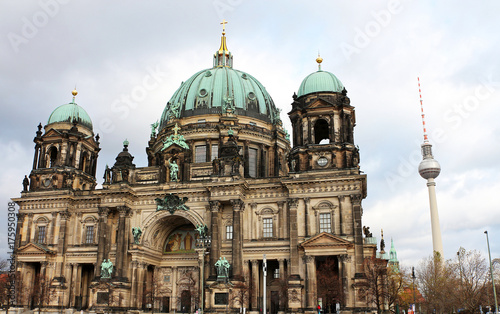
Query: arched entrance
[(172, 279)]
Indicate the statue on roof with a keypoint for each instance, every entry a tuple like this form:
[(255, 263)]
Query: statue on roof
[(106, 269), (26, 183), (154, 126), (136, 232), (222, 266), (174, 169), (175, 138)]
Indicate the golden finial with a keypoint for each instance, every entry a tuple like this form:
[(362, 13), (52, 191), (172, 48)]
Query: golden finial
[(319, 60), (224, 22), (74, 93)]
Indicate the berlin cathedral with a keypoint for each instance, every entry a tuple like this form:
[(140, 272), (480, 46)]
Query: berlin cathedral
[(231, 213)]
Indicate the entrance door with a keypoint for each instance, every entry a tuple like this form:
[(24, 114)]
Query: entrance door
[(186, 301), (275, 302), (165, 305)]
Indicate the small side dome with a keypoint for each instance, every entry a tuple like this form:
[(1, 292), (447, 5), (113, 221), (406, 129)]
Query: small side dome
[(69, 113), (320, 81)]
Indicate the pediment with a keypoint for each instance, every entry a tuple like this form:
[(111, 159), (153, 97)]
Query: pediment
[(52, 133), (32, 248), (320, 103), (325, 240)]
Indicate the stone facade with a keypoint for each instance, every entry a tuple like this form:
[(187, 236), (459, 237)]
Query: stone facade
[(237, 174)]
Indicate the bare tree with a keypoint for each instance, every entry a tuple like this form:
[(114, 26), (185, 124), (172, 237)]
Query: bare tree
[(434, 283), (156, 291), (42, 293), (375, 290), (471, 273), (187, 282), (397, 281), (240, 295)]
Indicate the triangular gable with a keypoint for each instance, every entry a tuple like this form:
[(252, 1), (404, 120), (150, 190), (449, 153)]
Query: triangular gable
[(32, 248), (325, 240), (320, 103)]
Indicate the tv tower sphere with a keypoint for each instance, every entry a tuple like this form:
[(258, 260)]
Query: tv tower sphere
[(429, 168)]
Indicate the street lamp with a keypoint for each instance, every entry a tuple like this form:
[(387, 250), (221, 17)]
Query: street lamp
[(414, 298), (203, 242), (491, 272)]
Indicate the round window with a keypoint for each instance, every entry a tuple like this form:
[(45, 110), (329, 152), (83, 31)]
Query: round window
[(322, 161), (251, 96), (203, 92)]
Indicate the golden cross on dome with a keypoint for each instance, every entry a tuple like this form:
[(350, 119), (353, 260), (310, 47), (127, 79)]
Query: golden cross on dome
[(176, 129), (224, 22)]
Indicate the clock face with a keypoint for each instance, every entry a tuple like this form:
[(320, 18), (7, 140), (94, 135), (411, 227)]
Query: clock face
[(322, 161), (46, 182)]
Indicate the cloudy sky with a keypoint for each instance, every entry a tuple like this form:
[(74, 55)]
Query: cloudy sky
[(142, 50)]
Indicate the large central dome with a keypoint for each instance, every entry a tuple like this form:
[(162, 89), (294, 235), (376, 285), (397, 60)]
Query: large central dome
[(219, 89)]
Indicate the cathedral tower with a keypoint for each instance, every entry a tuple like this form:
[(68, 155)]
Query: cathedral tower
[(66, 153)]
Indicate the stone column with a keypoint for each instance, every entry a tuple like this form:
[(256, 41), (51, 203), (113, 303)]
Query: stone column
[(103, 238), (174, 288), (214, 230), (341, 214), (69, 293), (30, 225), (282, 220), (254, 232), (134, 279), (307, 223), (281, 262), (238, 206), (310, 282), (343, 276), (141, 270), (294, 252), (52, 234), (121, 243), (255, 285), (61, 241), (20, 241), (74, 294), (357, 230)]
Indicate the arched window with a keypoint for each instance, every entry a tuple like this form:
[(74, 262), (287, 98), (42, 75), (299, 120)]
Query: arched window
[(53, 156), (321, 128)]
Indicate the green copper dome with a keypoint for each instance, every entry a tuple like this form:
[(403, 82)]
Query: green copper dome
[(320, 81), (221, 89), (69, 113)]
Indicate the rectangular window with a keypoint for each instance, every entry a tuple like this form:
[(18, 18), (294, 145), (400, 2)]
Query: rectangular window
[(276, 273), (229, 232), (325, 222), (267, 227), (215, 151), (221, 298), (252, 162), (41, 234), (200, 153), (89, 237)]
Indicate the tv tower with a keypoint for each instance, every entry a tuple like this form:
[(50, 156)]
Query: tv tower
[(429, 169)]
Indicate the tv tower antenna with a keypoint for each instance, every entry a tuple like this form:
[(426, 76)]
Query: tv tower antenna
[(429, 169)]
